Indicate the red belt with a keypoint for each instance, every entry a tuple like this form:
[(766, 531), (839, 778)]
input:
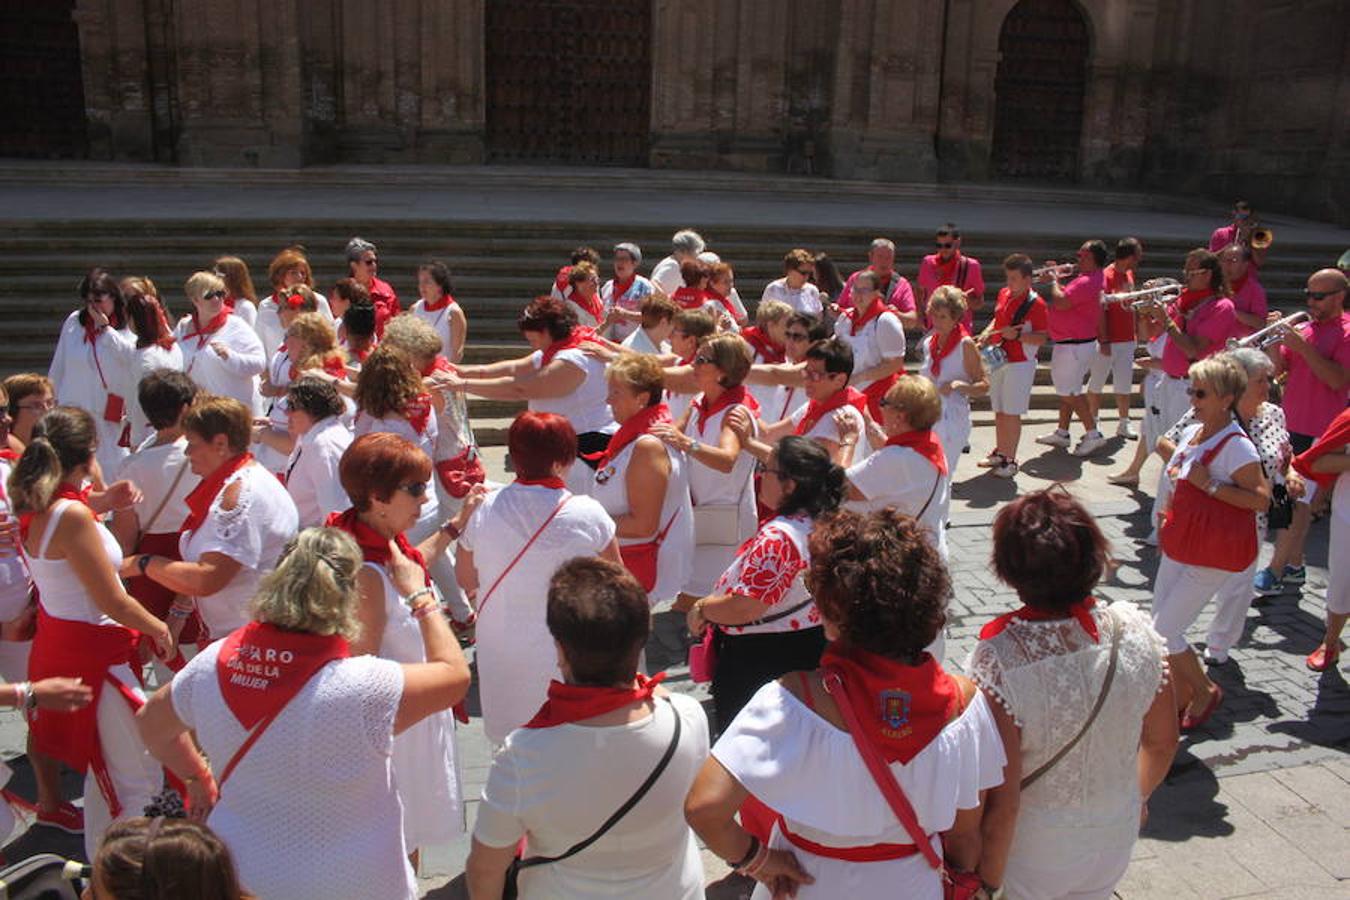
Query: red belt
[(869, 853)]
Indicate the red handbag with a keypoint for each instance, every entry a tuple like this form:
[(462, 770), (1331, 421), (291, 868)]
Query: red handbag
[(461, 472), (640, 559), (1200, 530)]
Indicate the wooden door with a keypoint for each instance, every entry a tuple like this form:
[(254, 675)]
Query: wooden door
[(41, 85)]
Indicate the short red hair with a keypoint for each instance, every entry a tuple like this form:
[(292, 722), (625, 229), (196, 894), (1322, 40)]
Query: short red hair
[(375, 465), (537, 441)]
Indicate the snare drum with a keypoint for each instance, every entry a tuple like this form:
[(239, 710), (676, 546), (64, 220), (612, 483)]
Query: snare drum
[(994, 356)]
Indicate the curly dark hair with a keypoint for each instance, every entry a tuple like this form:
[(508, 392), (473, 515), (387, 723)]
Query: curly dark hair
[(1048, 548), (547, 314), (818, 484), (880, 580)]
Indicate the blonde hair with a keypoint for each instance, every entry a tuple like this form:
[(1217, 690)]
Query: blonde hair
[(1222, 373), (313, 587), (950, 299), (202, 283), (918, 399), (237, 280), (770, 311), (638, 372), (413, 335), (63, 439), (319, 337), (732, 356)]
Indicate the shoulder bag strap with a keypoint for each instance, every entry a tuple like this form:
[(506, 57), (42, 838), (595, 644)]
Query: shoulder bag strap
[(881, 771), (1021, 314), (779, 615), (622, 810), (1049, 764), (1214, 451), (962, 268), (931, 495), (154, 517), (482, 604)]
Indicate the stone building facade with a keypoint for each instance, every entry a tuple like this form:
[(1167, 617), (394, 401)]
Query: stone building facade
[(1217, 98)]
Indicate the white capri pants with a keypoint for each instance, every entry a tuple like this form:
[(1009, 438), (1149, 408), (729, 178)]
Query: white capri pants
[(1091, 876), (135, 774), (1119, 365), (1069, 365), (1231, 605), (1180, 592), (1173, 401), (1010, 387), (1338, 583)]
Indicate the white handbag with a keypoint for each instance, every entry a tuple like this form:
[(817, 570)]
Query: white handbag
[(718, 525)]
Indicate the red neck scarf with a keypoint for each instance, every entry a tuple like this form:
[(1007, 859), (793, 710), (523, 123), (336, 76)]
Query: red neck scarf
[(924, 443), (621, 287), (689, 297), (1190, 301), (1332, 440), (817, 410), (703, 410), (230, 301), (203, 333), (771, 353), (937, 354), (92, 331), (552, 481), (578, 702), (360, 353), (64, 491), (563, 279), (635, 427), (594, 306), (418, 412), (725, 301), (1082, 611), (443, 302), (204, 494), (261, 667), (439, 364), (579, 335), (858, 319), (332, 363), (8, 453), (946, 271), (374, 547), (902, 707)]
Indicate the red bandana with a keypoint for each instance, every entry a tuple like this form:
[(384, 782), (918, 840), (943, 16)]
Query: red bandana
[(902, 707), (924, 443), (1332, 440), (621, 287), (860, 319), (1082, 611), (580, 334), (703, 410), (689, 297), (562, 280), (551, 482), (204, 333), (937, 354), (577, 702), (9, 454), (361, 353), (817, 410), (261, 667), (64, 491), (439, 364), (418, 412), (876, 392), (91, 332), (594, 306), (771, 353), (374, 548), (1187, 303), (725, 301), (635, 427), (332, 364), (204, 494), (443, 302), (230, 302)]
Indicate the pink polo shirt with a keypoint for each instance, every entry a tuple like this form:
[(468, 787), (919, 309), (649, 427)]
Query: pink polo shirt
[(1213, 322), (931, 278), (1079, 321), (1309, 405), (1249, 298), (898, 292)]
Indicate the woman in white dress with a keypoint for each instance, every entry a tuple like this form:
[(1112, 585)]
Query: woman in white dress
[(386, 477), (87, 623), (1064, 826), (437, 307), (239, 518), (89, 367), (604, 732), (881, 590), (691, 328), (220, 351), (623, 295), (288, 269), (310, 347), (241, 299), (951, 360), (721, 478), (309, 808), (509, 550), (644, 484), (875, 333), (155, 348), (314, 418), (768, 339)]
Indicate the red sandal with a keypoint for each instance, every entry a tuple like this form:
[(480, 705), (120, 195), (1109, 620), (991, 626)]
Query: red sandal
[(1320, 660)]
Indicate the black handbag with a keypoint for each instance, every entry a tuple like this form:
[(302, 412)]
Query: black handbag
[(511, 890), (1281, 512)]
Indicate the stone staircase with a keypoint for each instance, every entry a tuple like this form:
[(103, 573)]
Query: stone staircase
[(497, 266)]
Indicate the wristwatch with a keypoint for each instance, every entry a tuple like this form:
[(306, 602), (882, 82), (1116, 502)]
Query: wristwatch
[(143, 563), (451, 529), (1213, 487)]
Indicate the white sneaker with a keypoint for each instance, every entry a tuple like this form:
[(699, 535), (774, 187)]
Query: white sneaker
[(1126, 430), (1007, 470), (1090, 444), (1057, 438)]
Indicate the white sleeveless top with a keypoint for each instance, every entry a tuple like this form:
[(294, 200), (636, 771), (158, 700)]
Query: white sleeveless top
[(586, 407), (429, 517), (14, 579), (954, 404), (709, 486), (64, 596), (440, 322), (672, 561), (881, 339)]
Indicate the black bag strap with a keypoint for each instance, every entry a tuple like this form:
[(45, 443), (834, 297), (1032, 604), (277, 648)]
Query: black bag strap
[(931, 495), (1023, 310), (780, 615), (622, 810)]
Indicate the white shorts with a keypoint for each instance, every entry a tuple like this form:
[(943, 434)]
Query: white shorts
[(1119, 365), (1010, 387), (1069, 365)]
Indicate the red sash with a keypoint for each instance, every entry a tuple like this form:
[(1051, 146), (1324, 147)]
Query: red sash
[(768, 351), (1332, 440), (576, 702), (205, 493), (936, 354), (374, 547), (911, 704), (633, 428), (703, 410), (71, 649), (579, 335), (869, 853), (817, 410), (261, 667), (1082, 611), (924, 443)]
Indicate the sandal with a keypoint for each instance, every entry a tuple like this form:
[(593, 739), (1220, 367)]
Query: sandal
[(1320, 660), (1190, 722), (993, 460), (1124, 480)]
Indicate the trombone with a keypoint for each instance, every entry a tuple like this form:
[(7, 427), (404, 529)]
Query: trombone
[(1063, 270), (1156, 292), (1271, 334)]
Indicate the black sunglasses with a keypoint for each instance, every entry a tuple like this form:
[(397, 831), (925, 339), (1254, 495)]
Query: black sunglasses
[(941, 246), (705, 360), (214, 295), (415, 489), (1322, 295)]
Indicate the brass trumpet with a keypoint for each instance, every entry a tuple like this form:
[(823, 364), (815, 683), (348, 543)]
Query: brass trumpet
[(1270, 334), (1262, 237), (1063, 270), (1155, 291)]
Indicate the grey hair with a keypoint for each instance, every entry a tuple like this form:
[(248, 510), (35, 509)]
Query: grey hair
[(631, 249), (883, 244), (313, 588), (687, 241), (707, 257), (1252, 361), (358, 245)]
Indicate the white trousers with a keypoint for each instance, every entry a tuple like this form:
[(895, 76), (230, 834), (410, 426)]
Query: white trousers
[(135, 774), (1180, 592), (1093, 877), (1230, 609), (1338, 583)]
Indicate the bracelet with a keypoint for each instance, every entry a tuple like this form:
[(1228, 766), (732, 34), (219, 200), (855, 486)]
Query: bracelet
[(451, 529), (20, 693), (420, 592), (143, 563), (29, 696), (753, 867), (422, 610), (176, 612), (1213, 487), (749, 854)]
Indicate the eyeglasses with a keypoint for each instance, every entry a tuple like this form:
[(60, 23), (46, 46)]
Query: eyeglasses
[(369, 262), (702, 360), (214, 295), (415, 489), (817, 376), (943, 246), (1322, 295), (796, 335), (1197, 393)]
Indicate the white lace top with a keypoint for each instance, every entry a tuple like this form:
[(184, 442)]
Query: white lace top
[(1047, 675)]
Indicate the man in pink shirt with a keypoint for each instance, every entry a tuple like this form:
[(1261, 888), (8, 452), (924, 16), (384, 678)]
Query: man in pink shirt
[(894, 287), (1116, 338), (1245, 290), (1238, 232), (1074, 314), (949, 266)]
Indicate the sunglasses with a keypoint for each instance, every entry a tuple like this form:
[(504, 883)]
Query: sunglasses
[(943, 246), (702, 360), (415, 489), (368, 262), (1322, 295), (796, 335), (214, 295), (1197, 393)]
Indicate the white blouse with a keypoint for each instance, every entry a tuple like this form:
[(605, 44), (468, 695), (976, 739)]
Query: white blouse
[(268, 322), (630, 300), (143, 361), (312, 471), (881, 339), (155, 469), (252, 534), (900, 477), (805, 299), (235, 376), (85, 375), (586, 407), (771, 568)]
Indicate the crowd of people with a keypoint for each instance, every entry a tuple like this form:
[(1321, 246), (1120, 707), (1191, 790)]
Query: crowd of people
[(273, 512)]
